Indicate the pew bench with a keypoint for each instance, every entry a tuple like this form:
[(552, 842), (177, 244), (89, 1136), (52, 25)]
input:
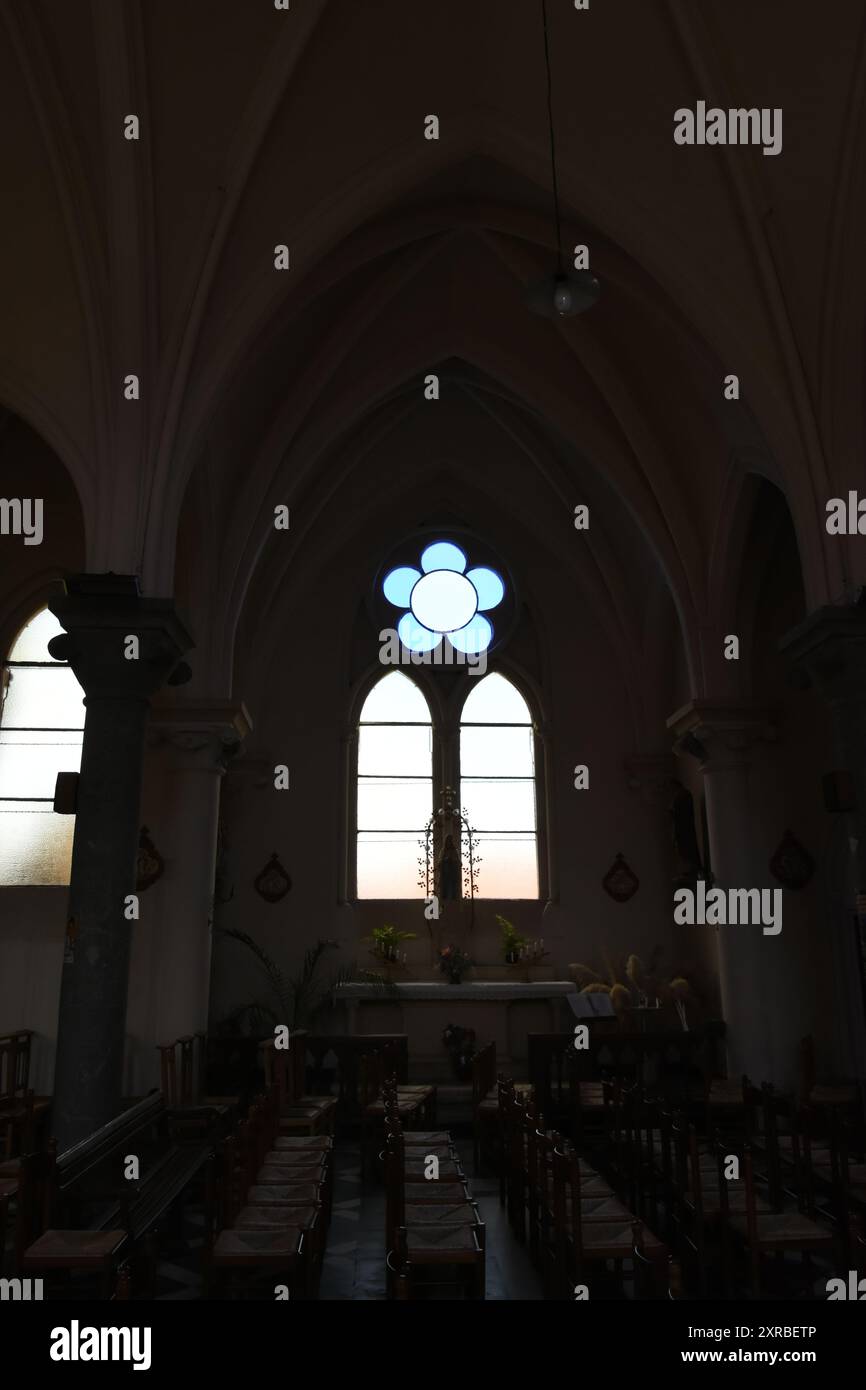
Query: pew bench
[(85, 1211)]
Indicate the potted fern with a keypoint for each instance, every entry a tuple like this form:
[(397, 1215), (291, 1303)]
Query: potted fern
[(386, 947), (296, 1000), (512, 942)]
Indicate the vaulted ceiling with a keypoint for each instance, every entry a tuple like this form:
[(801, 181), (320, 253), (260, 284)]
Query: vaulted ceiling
[(408, 256)]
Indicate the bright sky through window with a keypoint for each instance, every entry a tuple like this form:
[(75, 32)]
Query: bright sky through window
[(395, 787), (497, 787), (41, 725)]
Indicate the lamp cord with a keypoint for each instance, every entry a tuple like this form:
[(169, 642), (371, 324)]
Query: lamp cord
[(552, 139)]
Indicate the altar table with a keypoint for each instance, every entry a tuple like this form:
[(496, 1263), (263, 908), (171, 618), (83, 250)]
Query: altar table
[(503, 1012)]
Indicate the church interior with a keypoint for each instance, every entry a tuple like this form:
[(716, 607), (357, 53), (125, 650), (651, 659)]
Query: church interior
[(433, 642)]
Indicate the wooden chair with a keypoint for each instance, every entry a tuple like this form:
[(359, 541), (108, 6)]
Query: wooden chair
[(697, 1205), (377, 1089), (300, 1114), (485, 1106), (598, 1201), (585, 1103), (431, 1233), (248, 1241), (573, 1245), (21, 1112), (8, 1191), (761, 1233), (92, 1252)]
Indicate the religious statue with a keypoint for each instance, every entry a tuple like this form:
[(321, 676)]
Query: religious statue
[(688, 866), (448, 871), (449, 862)]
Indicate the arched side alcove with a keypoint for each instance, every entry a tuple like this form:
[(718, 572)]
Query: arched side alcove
[(33, 913)]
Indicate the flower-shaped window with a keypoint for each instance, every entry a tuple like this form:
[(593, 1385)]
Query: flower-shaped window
[(444, 599)]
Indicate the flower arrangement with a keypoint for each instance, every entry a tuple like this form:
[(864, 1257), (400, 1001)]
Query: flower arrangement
[(386, 943), (633, 986), (454, 963)]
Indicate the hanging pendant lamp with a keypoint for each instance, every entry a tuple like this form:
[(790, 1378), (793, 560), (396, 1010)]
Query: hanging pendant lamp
[(567, 292)]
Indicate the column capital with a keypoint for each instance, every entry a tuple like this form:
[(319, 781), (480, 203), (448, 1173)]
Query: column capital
[(99, 613), (828, 651), (205, 733), (706, 729)]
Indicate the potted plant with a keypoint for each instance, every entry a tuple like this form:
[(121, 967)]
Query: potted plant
[(454, 963), (512, 942), (295, 1000), (386, 944)]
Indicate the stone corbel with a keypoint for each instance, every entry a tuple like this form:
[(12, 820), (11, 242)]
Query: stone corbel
[(708, 729), (207, 735)]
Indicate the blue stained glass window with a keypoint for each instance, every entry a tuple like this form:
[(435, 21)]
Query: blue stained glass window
[(443, 599)]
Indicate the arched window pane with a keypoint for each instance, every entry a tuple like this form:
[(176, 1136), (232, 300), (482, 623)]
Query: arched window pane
[(495, 701), (497, 787), (41, 724), (31, 644), (395, 699), (395, 787)]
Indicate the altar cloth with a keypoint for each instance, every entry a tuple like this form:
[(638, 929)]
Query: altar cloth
[(478, 991)]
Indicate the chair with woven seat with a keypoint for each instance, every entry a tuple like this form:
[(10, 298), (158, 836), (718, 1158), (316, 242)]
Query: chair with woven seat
[(276, 1253), (299, 1114), (252, 1239), (419, 1235), (378, 1092), (573, 1245), (91, 1252), (485, 1120), (761, 1233), (305, 1171), (696, 1201)]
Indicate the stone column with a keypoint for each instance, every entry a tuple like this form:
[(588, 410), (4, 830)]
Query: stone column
[(192, 744), (827, 652), (726, 741), (101, 614)]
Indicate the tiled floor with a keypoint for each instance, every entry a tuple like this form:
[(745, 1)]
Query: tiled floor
[(355, 1256)]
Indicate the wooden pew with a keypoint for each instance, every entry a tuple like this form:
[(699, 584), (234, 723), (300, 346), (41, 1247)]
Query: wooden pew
[(76, 1209)]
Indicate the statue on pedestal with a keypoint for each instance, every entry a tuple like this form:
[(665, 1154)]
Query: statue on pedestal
[(688, 866), (449, 863)]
